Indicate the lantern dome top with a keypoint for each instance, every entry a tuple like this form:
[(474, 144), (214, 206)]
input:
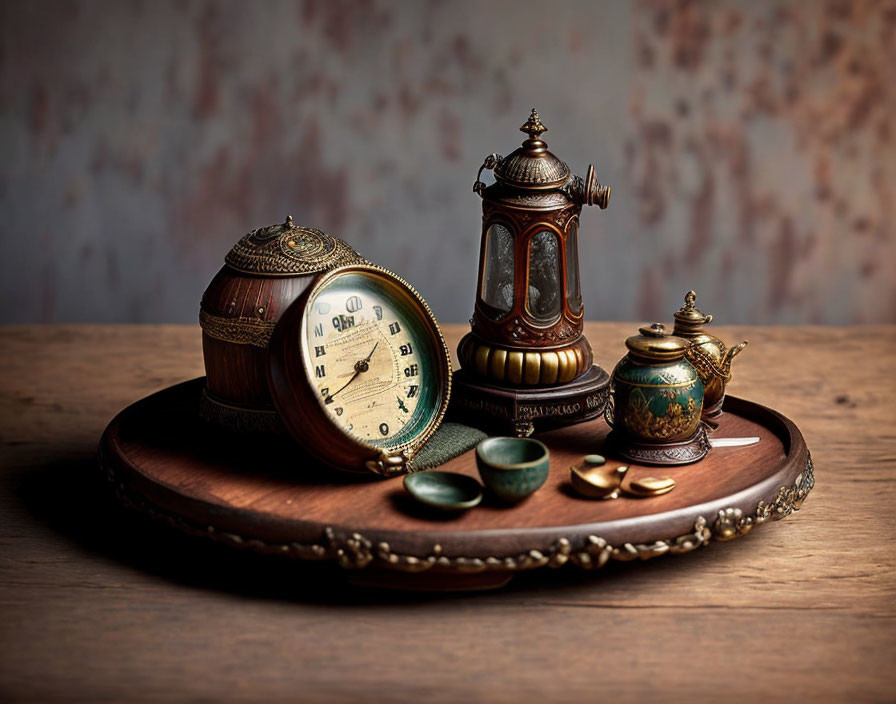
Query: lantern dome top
[(532, 165)]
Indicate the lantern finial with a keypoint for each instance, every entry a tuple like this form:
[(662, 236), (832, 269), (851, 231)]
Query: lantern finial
[(534, 127)]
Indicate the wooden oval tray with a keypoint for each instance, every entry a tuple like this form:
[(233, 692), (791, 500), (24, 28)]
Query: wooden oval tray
[(266, 495)]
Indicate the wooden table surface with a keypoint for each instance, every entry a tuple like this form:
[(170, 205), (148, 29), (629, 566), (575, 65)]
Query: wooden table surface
[(97, 604)]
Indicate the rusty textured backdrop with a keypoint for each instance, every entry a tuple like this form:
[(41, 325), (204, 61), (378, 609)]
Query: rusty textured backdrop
[(750, 147)]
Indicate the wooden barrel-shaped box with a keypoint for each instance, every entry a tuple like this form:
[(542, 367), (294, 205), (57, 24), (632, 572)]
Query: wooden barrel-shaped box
[(264, 272)]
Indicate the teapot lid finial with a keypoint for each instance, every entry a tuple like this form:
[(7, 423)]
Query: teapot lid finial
[(689, 314)]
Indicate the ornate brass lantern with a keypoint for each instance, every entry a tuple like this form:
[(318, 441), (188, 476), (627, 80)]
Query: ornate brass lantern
[(526, 358)]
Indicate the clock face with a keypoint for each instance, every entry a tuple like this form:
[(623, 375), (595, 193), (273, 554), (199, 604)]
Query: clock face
[(373, 359)]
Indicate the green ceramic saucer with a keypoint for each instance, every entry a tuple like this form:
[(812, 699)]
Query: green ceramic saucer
[(448, 491)]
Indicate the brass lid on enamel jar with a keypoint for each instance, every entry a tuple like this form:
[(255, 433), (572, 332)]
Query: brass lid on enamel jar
[(656, 344)]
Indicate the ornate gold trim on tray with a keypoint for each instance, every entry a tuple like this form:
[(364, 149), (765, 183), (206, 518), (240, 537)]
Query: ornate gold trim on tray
[(355, 551)]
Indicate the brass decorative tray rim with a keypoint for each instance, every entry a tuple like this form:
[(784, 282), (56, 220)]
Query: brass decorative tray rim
[(587, 545)]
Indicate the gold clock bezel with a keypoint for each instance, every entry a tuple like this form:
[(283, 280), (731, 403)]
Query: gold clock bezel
[(299, 403)]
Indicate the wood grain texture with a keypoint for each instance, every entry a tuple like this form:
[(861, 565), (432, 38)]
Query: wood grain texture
[(237, 373), (99, 604)]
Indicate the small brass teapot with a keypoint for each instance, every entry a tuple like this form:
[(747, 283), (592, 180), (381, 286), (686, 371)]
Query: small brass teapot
[(657, 401), (708, 354)]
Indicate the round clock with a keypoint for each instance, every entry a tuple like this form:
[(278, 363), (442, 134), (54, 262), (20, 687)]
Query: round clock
[(359, 371)]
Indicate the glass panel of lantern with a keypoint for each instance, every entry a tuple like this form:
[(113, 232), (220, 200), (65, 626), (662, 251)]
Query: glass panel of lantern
[(544, 276), (573, 289), (497, 276)]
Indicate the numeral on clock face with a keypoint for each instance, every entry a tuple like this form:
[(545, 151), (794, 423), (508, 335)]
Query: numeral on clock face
[(366, 386), (343, 322)]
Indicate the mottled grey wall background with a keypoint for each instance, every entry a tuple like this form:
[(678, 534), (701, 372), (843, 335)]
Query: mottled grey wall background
[(750, 147)]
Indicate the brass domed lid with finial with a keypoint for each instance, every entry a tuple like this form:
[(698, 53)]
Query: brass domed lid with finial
[(532, 165), (689, 317), (288, 249)]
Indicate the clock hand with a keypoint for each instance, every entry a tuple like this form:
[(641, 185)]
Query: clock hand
[(329, 397), (367, 358), (362, 365)]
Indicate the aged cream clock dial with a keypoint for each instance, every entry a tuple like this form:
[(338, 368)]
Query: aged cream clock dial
[(359, 371)]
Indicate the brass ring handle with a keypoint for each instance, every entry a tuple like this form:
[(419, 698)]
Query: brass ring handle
[(490, 162)]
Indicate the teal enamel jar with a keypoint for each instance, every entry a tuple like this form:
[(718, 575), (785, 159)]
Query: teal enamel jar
[(657, 393)]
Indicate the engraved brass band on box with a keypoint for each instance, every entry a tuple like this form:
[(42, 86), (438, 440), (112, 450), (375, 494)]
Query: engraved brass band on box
[(239, 331), (531, 367)]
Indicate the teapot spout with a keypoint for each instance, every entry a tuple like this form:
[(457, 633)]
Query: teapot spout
[(731, 354)]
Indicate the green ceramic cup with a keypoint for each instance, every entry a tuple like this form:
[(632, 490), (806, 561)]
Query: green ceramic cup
[(512, 468)]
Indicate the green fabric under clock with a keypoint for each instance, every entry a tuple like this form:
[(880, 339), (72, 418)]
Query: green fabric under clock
[(449, 441)]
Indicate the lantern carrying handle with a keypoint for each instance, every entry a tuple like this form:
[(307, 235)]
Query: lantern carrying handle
[(490, 162)]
